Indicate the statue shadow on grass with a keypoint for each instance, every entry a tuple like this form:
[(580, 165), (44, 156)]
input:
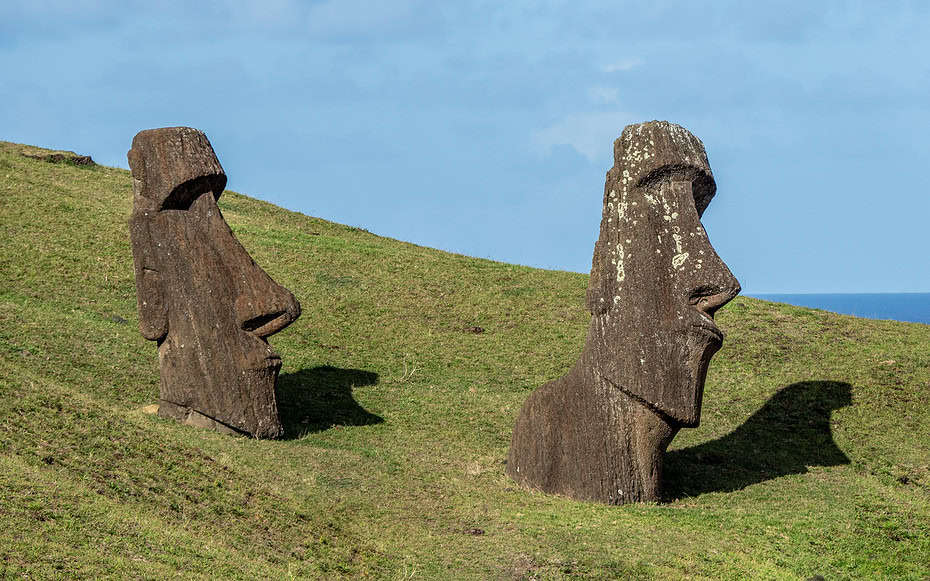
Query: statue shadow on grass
[(319, 398), (785, 436)]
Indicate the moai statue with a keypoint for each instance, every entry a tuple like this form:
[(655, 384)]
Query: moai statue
[(600, 432), (200, 295)]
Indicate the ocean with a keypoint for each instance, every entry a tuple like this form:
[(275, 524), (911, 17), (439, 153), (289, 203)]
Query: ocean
[(912, 307)]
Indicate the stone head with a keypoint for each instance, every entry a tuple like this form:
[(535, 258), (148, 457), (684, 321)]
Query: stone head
[(656, 281), (200, 295)]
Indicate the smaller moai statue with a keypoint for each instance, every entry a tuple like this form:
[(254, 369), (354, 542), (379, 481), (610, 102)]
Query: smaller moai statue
[(600, 432), (200, 295)]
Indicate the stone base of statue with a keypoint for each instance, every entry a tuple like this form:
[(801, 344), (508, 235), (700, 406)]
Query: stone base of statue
[(582, 437)]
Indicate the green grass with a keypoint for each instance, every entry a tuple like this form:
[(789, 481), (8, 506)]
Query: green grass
[(813, 456)]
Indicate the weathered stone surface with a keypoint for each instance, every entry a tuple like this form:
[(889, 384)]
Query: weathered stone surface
[(200, 295), (600, 432)]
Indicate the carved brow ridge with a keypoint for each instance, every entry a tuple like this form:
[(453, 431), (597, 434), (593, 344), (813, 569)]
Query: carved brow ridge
[(703, 186), (185, 194)]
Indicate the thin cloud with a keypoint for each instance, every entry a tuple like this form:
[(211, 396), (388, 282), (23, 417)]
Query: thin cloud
[(590, 134), (623, 65), (604, 95)]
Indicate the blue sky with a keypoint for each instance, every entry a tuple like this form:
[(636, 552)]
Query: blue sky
[(486, 128)]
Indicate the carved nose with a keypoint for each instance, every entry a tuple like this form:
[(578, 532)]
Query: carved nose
[(717, 288), (264, 307)]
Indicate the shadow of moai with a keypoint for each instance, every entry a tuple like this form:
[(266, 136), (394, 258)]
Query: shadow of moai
[(317, 399), (785, 436)]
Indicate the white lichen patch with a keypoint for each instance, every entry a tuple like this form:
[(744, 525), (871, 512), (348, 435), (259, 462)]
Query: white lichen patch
[(619, 254), (680, 257), (622, 208), (668, 207), (621, 273)]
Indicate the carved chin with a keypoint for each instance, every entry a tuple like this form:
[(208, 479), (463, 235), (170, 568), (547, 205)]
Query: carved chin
[(664, 370), (700, 353)]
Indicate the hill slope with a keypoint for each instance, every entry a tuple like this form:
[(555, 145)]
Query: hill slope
[(812, 456)]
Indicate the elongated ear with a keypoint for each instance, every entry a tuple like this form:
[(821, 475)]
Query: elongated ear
[(150, 297), (602, 285), (598, 292)]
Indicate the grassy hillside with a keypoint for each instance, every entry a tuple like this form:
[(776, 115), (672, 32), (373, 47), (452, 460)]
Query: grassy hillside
[(813, 456)]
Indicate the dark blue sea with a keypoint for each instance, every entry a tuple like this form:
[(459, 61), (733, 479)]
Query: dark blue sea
[(913, 307)]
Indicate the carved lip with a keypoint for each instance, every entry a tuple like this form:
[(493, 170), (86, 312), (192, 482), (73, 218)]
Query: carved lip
[(271, 357), (264, 365), (707, 326)]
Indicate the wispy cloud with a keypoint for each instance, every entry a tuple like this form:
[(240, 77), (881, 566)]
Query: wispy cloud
[(603, 95), (590, 134), (622, 65)]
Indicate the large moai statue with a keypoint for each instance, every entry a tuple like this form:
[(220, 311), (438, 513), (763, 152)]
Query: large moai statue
[(600, 432), (200, 295)]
